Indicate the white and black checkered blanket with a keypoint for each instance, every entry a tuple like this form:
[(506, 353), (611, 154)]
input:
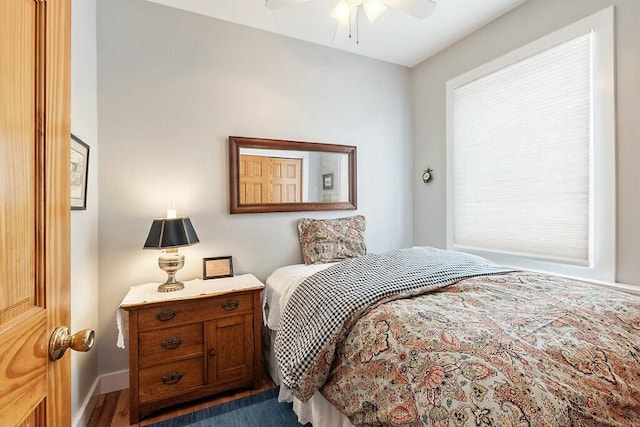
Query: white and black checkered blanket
[(325, 305)]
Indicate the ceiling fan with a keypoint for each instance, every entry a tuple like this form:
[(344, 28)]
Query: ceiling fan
[(344, 10)]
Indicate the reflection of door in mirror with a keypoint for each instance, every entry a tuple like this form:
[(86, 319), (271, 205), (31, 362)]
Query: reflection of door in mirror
[(270, 180), (274, 175)]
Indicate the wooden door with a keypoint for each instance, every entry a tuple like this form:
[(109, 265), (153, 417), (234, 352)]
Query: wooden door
[(230, 341), (35, 36), (254, 178), (269, 180), (285, 184)]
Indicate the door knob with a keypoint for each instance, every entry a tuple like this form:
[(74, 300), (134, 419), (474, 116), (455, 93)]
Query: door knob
[(60, 341)]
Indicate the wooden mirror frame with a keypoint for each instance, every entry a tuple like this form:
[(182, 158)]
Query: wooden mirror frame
[(237, 142)]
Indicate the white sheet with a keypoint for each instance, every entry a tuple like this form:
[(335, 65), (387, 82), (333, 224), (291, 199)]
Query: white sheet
[(318, 411), (279, 287)]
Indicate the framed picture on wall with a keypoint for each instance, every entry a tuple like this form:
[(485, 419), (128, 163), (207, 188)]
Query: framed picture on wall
[(216, 267), (327, 181), (79, 173)]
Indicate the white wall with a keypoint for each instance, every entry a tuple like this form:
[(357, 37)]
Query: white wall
[(174, 85), (530, 21), (84, 224)]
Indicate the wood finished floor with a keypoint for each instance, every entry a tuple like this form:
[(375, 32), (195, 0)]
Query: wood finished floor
[(112, 409)]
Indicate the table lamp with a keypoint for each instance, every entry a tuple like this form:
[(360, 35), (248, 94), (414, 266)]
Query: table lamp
[(169, 234)]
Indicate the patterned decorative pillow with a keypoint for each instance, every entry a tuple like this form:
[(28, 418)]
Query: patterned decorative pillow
[(330, 240)]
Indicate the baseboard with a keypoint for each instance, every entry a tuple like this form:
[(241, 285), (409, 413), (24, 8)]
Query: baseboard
[(82, 418), (114, 381), (103, 384)]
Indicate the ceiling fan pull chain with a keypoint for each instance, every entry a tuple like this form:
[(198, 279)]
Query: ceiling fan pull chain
[(358, 25)]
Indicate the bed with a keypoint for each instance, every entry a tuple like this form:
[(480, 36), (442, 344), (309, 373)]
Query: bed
[(421, 336)]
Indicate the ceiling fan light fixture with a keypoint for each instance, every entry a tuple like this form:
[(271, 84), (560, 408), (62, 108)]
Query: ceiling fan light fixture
[(373, 9), (342, 12)]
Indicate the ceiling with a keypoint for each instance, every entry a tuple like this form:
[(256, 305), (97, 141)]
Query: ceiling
[(395, 37)]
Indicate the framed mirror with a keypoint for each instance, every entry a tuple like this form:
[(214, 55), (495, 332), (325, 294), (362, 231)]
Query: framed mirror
[(272, 175)]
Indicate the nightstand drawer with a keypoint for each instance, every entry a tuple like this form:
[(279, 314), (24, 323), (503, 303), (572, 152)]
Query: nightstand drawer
[(162, 345), (232, 304), (169, 314), (181, 312), (171, 379)]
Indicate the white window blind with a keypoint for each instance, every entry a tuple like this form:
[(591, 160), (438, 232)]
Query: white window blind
[(522, 153)]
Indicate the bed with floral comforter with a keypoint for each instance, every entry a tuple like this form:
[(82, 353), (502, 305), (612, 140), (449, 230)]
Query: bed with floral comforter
[(509, 349)]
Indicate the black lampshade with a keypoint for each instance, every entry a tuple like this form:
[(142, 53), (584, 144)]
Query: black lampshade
[(171, 233)]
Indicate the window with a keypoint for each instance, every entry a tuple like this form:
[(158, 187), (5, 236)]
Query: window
[(531, 154)]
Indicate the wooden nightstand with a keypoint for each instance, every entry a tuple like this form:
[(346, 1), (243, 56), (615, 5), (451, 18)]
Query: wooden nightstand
[(192, 343)]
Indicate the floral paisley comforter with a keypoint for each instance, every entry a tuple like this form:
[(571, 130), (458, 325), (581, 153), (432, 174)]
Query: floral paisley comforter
[(516, 349), (322, 308)]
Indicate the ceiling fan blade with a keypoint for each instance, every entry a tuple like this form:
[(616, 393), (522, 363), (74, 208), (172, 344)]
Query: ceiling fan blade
[(418, 8), (277, 4)]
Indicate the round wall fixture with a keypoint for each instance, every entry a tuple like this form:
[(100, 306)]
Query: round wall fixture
[(427, 175)]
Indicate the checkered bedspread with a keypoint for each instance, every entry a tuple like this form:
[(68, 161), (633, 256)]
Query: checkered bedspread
[(324, 307)]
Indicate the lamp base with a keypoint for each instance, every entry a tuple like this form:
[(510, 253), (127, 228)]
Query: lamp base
[(170, 287), (171, 261)]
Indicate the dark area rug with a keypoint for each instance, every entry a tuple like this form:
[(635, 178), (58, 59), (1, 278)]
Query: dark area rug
[(262, 409)]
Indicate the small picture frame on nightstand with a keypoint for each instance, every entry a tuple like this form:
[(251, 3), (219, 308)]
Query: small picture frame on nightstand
[(217, 267)]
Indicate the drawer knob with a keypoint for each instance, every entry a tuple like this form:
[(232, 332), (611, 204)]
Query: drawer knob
[(165, 315), (212, 353), (172, 378), (171, 343), (230, 304)]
